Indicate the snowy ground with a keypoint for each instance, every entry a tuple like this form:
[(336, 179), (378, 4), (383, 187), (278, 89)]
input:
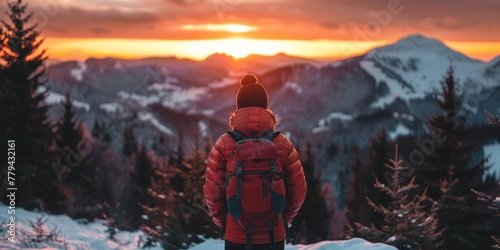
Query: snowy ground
[(492, 151), (92, 236)]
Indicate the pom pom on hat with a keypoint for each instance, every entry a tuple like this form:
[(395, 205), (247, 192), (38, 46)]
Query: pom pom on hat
[(248, 79), (251, 93)]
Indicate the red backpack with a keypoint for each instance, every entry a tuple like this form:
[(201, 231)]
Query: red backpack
[(255, 187)]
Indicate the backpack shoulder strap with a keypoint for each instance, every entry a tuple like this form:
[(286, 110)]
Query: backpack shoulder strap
[(237, 136), (271, 134)]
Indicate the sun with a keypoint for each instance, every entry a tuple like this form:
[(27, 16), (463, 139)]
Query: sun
[(240, 47)]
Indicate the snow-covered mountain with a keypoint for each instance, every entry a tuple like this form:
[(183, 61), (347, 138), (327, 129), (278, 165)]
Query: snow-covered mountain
[(413, 67), (346, 102)]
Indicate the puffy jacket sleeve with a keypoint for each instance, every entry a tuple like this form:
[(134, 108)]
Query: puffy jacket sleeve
[(296, 181), (215, 177)]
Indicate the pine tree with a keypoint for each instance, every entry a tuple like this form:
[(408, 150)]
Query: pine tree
[(378, 155), (180, 216), (100, 133), (452, 210), (313, 222), (492, 202), (449, 126), (69, 133), (452, 149), (107, 168), (129, 142), (135, 194), (22, 92), (70, 138), (357, 210), (103, 161), (363, 177), (494, 120), (406, 223)]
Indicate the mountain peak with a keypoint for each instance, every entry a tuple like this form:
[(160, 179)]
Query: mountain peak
[(419, 41), (418, 46)]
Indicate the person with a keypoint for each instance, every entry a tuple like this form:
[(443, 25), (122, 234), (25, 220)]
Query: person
[(252, 117)]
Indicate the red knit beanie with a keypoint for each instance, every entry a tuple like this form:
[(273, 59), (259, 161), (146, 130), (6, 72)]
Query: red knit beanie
[(251, 93)]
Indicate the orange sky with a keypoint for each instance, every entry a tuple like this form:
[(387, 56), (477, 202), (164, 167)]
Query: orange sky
[(314, 28)]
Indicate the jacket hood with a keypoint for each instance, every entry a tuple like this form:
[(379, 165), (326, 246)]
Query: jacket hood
[(253, 120)]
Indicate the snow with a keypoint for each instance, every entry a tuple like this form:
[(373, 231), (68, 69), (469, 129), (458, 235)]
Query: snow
[(400, 130), (293, 86), (118, 66), (78, 72), (140, 99), (93, 236), (144, 116), (111, 107), (208, 112), (335, 115), (493, 151), (337, 64), (168, 94), (396, 90), (319, 130), (403, 116), (181, 98), (55, 98), (352, 244), (78, 235), (203, 127), (323, 123), (391, 239), (223, 83)]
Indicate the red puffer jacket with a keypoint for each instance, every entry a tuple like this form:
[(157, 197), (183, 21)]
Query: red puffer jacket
[(248, 121)]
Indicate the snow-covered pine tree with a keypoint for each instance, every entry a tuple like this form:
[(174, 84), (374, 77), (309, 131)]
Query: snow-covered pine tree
[(406, 223), (493, 204), (179, 218), (492, 119), (24, 113), (452, 147), (313, 222)]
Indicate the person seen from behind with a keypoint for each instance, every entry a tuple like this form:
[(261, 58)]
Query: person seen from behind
[(255, 183)]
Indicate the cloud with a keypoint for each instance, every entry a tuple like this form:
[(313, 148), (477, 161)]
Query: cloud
[(99, 30), (275, 19)]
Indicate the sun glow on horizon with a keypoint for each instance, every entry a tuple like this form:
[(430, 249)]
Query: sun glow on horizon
[(81, 49)]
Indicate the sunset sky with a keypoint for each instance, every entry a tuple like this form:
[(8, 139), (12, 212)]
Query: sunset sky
[(327, 29)]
